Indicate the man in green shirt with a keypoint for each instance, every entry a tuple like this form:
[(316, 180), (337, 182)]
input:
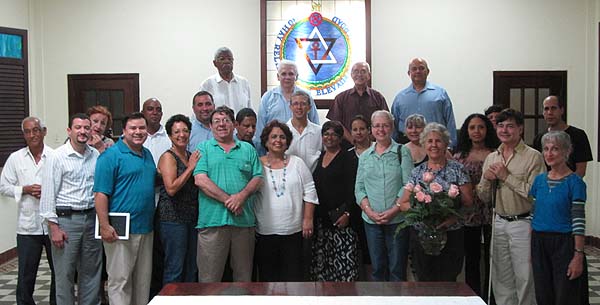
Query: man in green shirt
[(228, 173)]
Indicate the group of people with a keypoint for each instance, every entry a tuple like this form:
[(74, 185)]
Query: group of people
[(275, 196)]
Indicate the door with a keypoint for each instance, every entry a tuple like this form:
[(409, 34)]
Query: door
[(118, 92), (525, 91)]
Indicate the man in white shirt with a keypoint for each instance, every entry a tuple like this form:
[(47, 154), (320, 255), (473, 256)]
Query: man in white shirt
[(21, 179), (307, 142), (158, 141), (227, 88), (67, 205)]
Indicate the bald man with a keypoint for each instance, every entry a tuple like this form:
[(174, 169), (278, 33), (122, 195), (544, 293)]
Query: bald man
[(554, 110), (425, 98)]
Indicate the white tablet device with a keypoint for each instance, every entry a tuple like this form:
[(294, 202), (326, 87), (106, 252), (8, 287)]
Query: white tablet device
[(119, 221)]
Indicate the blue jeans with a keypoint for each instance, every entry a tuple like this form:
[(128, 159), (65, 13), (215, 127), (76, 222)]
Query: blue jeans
[(179, 241), (388, 251)]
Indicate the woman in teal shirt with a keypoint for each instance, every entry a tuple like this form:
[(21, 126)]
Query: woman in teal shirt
[(383, 169)]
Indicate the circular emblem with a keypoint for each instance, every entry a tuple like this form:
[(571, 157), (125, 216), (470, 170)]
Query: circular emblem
[(321, 49), (315, 19)]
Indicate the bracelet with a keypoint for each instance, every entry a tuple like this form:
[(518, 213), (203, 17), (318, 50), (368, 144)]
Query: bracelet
[(579, 251), (398, 204), (347, 214)]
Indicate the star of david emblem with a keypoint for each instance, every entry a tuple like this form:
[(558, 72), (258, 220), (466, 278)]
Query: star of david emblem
[(315, 42)]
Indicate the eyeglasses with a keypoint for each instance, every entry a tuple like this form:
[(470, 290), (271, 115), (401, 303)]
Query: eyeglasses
[(384, 126), (219, 121), (359, 72)]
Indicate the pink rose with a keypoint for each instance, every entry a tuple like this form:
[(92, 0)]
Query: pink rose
[(436, 187), (453, 191), (427, 198), (428, 177), (420, 196), (417, 188), (409, 187)]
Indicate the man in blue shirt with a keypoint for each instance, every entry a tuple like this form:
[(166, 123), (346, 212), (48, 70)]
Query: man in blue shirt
[(202, 105), (425, 98), (124, 182)]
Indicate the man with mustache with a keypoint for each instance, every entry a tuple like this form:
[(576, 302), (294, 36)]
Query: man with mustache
[(67, 206)]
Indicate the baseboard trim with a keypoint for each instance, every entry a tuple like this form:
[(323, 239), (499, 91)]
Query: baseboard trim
[(8, 255), (592, 241)]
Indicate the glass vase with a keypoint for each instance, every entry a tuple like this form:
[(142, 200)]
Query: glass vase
[(432, 240)]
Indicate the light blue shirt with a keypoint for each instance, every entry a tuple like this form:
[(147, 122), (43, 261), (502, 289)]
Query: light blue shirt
[(381, 178), (200, 133), (273, 106), (432, 102)]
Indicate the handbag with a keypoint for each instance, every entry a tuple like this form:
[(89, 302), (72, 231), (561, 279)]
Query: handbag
[(336, 213)]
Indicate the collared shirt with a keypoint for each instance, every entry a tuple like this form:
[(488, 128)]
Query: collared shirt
[(158, 143), (200, 133), (274, 106), (381, 178), (68, 180), (234, 94), (20, 170), (231, 172), (127, 178), (307, 145), (349, 103), (432, 102), (512, 194)]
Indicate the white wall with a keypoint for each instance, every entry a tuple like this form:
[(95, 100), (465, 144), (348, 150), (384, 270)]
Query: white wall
[(14, 14), (171, 44)]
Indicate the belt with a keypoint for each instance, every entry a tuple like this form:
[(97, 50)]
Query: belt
[(515, 217), (68, 211)]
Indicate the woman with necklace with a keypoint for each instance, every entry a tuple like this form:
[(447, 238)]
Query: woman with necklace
[(383, 169), (445, 267), (284, 208), (335, 247), (558, 227), (178, 204), (476, 140)]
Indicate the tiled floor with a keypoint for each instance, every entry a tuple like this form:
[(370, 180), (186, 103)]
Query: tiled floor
[(8, 280)]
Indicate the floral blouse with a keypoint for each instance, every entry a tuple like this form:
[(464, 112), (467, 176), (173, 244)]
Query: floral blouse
[(481, 212), (452, 173)]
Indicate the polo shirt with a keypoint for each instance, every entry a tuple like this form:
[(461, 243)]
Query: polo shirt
[(128, 180), (231, 172)]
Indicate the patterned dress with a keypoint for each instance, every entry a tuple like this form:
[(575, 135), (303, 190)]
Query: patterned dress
[(335, 250)]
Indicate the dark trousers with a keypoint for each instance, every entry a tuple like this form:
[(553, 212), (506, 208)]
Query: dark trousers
[(472, 241), (29, 251), (279, 257), (158, 257), (551, 254), (441, 268)]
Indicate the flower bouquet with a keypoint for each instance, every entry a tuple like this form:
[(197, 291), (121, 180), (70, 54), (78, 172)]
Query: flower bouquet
[(430, 205)]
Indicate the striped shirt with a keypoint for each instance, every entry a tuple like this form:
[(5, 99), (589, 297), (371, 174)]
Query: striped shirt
[(68, 180)]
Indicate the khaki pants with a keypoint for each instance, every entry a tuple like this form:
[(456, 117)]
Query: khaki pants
[(512, 275), (129, 268), (214, 245)]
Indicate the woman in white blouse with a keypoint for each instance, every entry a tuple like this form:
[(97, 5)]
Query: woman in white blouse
[(284, 208)]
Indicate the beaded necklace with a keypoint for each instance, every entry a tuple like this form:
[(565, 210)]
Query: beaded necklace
[(278, 192)]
